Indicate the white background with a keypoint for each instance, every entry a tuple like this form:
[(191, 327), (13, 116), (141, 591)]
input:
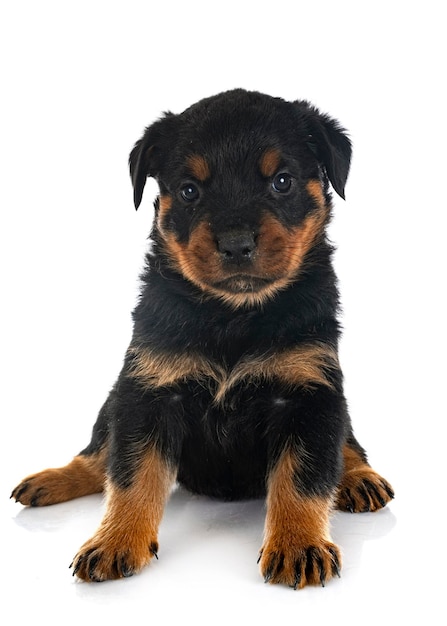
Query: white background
[(80, 81)]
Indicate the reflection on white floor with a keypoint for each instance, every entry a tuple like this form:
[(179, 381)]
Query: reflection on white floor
[(207, 565), (193, 524)]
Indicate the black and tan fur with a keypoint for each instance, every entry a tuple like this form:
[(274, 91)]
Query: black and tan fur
[(231, 384)]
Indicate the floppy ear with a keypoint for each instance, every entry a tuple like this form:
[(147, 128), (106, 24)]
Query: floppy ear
[(332, 147), (146, 156)]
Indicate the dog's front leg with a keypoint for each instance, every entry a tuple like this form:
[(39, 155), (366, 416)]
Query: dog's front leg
[(142, 470), (301, 484)]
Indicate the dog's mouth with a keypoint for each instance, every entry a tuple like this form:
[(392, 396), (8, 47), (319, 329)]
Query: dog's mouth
[(243, 271), (242, 283)]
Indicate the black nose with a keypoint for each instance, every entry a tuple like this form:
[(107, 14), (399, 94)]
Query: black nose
[(237, 247)]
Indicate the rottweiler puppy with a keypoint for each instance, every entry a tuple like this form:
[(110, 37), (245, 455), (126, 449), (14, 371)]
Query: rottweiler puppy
[(231, 384)]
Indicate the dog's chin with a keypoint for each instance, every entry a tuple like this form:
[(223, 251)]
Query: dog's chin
[(242, 284)]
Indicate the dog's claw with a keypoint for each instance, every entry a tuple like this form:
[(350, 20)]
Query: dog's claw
[(349, 505), (335, 563), (297, 581), (388, 490), (153, 549), (18, 493)]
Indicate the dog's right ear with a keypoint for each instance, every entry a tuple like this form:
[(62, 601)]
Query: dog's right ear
[(146, 157)]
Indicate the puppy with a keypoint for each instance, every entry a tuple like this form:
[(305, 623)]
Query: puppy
[(231, 384)]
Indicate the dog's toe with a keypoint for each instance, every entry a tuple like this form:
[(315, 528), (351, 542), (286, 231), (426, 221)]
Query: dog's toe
[(32, 492)]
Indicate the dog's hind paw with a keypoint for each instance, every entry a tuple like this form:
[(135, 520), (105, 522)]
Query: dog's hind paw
[(84, 475), (362, 490), (41, 489)]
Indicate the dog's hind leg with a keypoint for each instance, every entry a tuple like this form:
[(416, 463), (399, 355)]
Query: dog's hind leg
[(84, 475), (361, 489)]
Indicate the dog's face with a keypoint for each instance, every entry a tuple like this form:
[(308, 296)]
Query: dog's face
[(243, 183)]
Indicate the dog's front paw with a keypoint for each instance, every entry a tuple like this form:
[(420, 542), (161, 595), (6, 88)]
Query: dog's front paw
[(297, 565), (107, 557), (362, 490)]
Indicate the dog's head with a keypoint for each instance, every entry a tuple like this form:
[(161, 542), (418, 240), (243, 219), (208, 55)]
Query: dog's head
[(243, 181)]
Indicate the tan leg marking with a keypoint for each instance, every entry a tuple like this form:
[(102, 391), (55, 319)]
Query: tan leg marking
[(127, 537), (82, 476), (297, 548), (361, 489)]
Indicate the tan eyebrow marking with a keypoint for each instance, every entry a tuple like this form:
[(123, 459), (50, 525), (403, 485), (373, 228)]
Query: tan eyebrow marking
[(269, 162), (198, 166)]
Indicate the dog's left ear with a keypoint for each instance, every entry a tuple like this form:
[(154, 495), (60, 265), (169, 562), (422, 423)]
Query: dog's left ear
[(147, 155), (330, 144)]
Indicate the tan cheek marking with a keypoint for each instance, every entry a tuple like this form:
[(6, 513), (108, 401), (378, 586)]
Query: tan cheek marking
[(198, 166), (269, 162), (281, 254), (303, 238), (165, 205), (272, 242), (283, 250), (198, 258), (315, 190)]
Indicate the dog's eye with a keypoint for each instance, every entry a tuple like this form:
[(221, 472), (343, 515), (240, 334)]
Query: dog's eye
[(189, 192), (282, 183)]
